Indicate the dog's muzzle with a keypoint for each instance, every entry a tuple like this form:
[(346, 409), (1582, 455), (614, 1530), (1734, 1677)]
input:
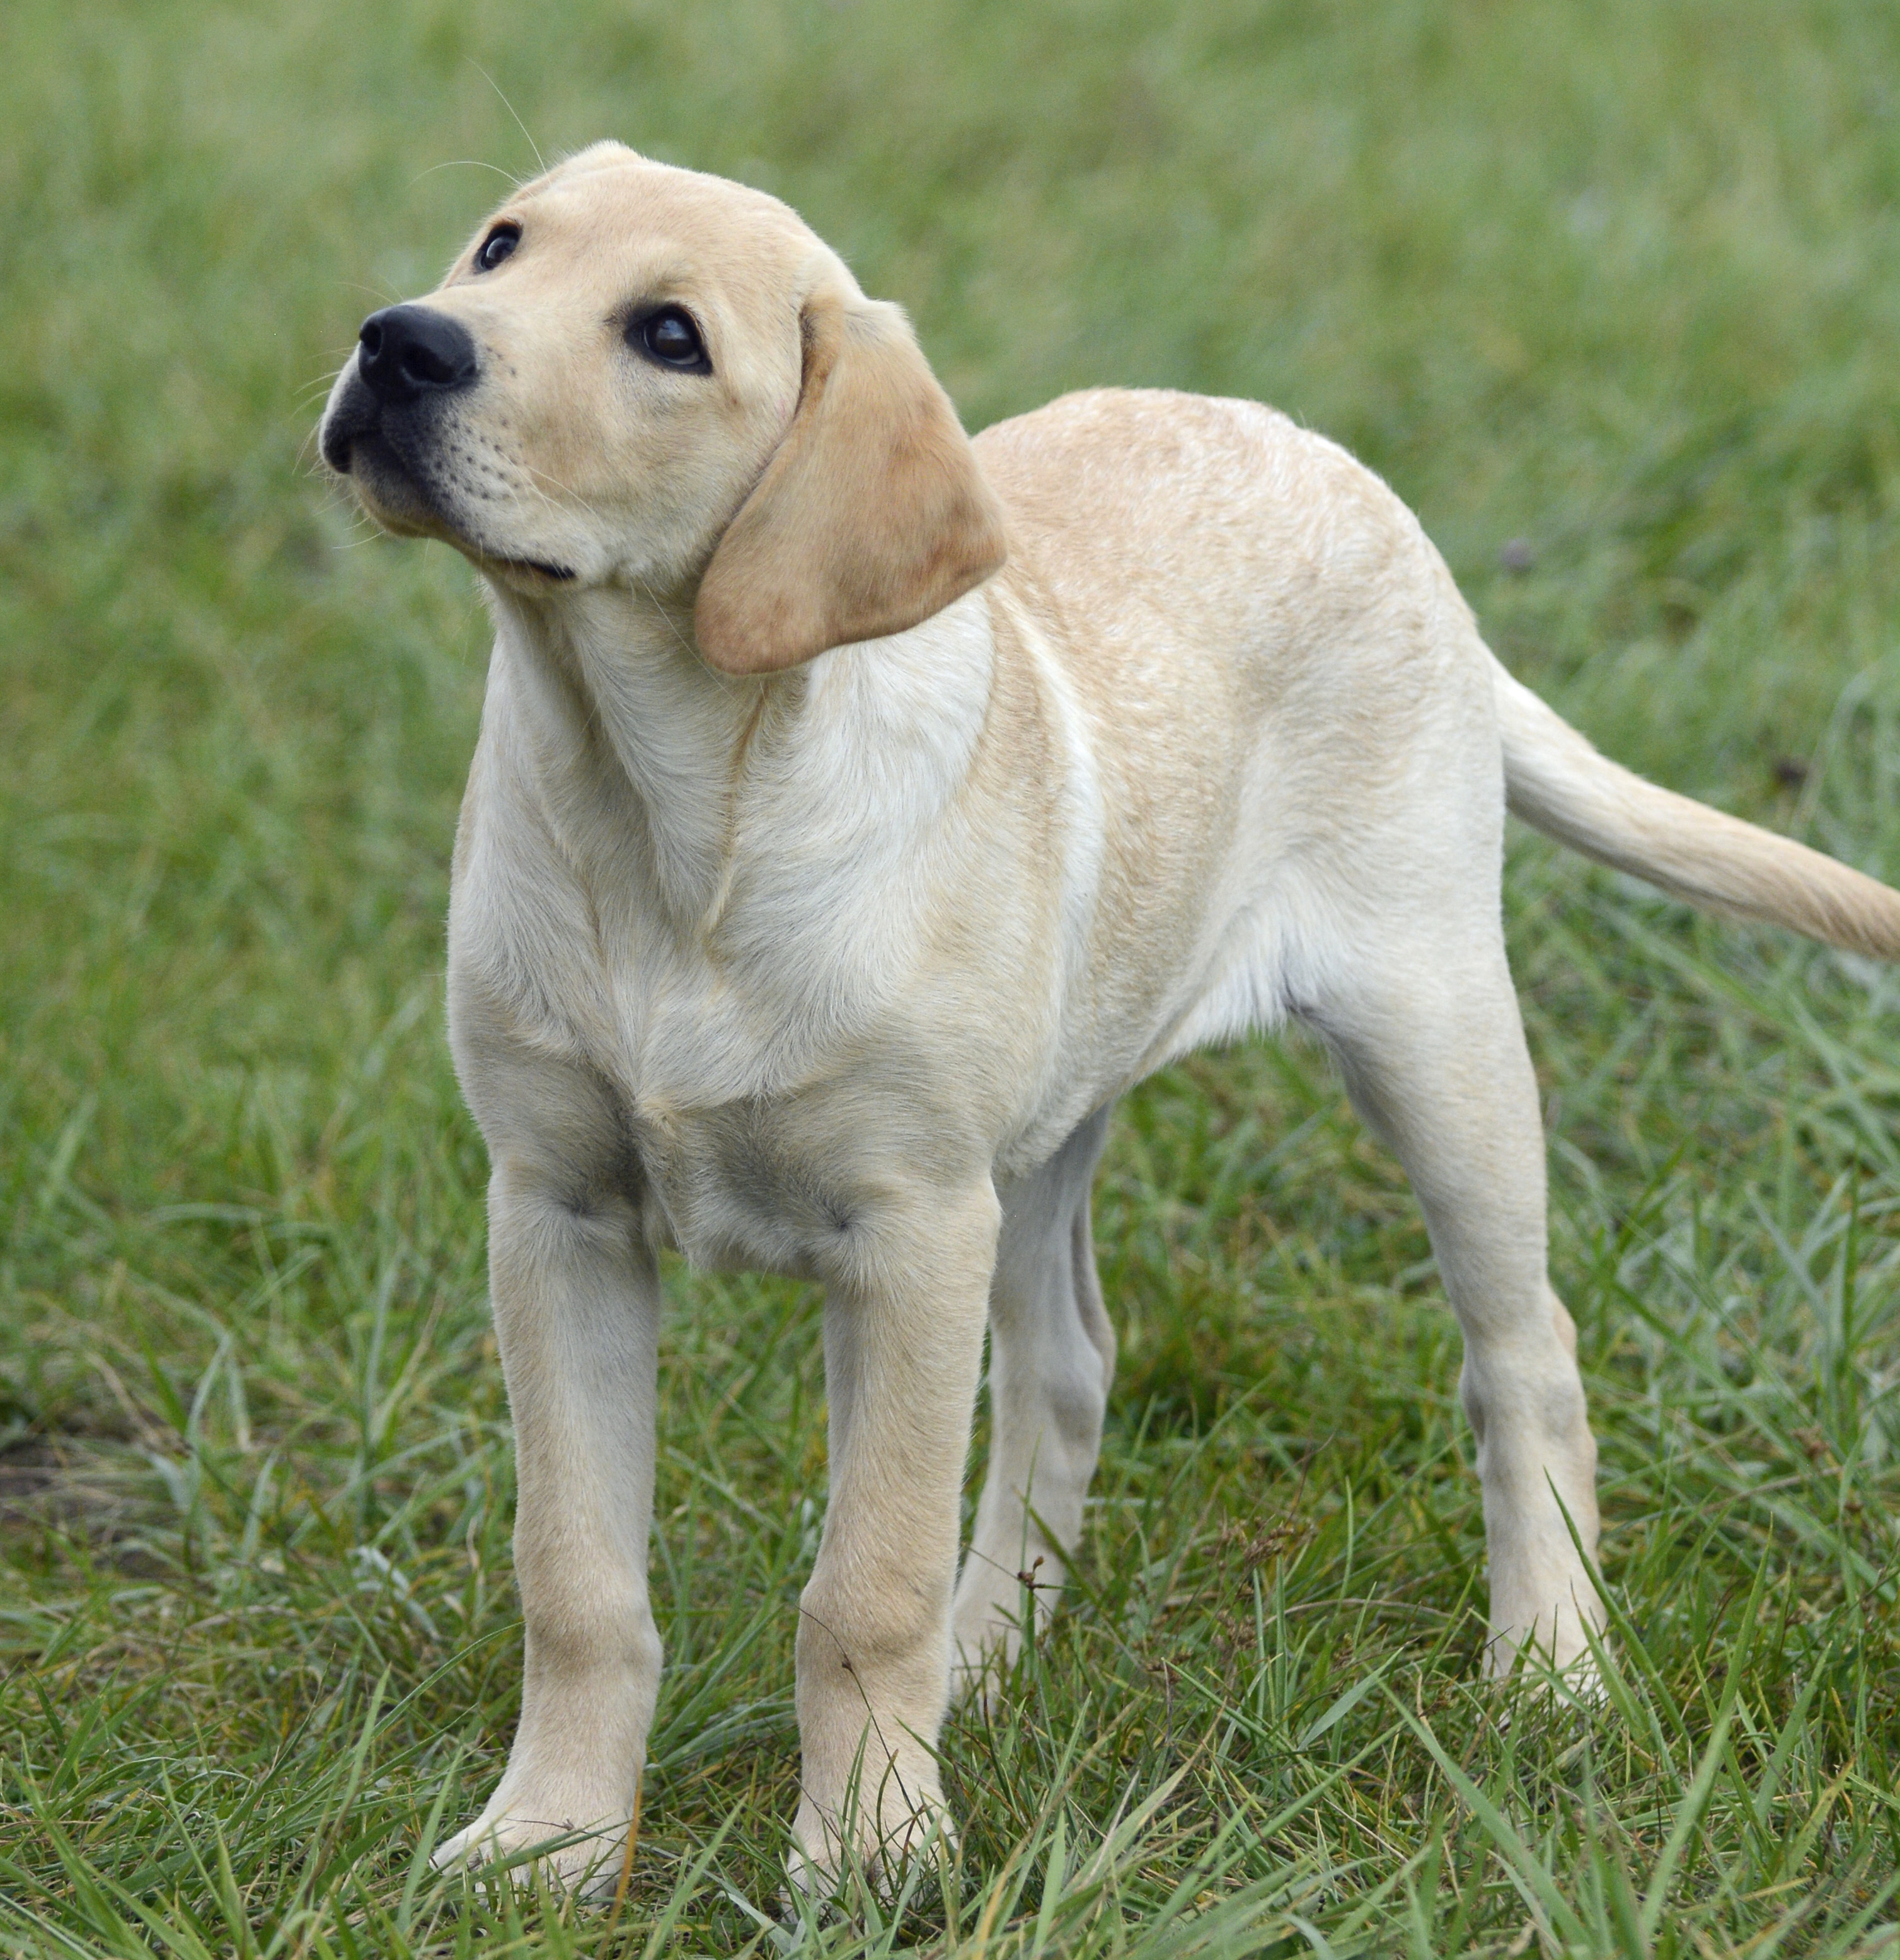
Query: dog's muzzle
[(407, 357)]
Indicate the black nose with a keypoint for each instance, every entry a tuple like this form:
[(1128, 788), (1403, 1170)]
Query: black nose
[(409, 351)]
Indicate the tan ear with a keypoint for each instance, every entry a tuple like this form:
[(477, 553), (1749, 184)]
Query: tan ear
[(871, 515)]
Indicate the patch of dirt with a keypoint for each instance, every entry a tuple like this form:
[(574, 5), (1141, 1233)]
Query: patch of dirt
[(25, 1469), (61, 1480)]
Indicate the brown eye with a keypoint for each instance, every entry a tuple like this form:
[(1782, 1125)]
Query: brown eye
[(669, 337), (498, 245)]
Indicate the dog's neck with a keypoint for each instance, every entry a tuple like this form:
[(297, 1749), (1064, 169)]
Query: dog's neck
[(615, 677), (634, 721)]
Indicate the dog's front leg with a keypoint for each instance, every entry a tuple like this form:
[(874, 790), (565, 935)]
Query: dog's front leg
[(903, 1347), (577, 1312)]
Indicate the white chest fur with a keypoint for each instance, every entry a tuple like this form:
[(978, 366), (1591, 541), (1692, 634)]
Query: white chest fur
[(745, 908)]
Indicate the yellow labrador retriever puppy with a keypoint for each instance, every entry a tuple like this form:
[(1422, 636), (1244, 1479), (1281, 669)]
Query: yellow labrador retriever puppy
[(858, 810)]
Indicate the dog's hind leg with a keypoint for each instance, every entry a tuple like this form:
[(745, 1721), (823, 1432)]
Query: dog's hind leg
[(1432, 1046), (1052, 1361)]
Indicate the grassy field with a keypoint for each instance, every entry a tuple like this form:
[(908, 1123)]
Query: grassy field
[(1611, 293)]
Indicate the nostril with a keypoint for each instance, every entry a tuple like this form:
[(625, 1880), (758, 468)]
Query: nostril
[(424, 367), (371, 337)]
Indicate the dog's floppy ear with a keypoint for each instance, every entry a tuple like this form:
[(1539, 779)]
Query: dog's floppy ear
[(872, 513)]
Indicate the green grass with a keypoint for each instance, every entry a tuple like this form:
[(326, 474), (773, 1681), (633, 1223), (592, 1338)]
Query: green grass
[(1618, 281)]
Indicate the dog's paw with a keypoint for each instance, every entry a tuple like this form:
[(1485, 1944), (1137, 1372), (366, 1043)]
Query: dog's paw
[(873, 1844), (586, 1860), (977, 1678), (987, 1635), (1556, 1663)]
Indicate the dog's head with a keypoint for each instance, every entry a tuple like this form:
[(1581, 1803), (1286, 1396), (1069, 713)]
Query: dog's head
[(641, 376)]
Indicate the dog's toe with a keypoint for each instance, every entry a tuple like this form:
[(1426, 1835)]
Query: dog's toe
[(586, 1860)]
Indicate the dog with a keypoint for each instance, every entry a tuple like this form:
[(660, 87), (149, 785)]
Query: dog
[(857, 811)]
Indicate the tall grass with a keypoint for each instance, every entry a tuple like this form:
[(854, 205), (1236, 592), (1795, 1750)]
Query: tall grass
[(1612, 293)]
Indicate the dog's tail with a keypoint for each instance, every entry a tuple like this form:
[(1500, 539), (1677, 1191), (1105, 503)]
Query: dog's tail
[(1559, 785)]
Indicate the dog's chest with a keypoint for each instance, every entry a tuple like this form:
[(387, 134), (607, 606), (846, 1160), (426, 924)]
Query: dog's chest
[(746, 1119), (788, 953)]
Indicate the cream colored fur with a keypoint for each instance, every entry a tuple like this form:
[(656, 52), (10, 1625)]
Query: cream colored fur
[(826, 954)]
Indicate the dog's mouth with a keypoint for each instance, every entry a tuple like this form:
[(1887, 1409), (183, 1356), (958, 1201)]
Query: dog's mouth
[(402, 496), (555, 574)]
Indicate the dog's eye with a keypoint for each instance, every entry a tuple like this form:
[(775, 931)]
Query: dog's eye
[(669, 337), (496, 246)]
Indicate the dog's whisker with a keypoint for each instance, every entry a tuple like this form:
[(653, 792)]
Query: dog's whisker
[(465, 163), (540, 161)]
